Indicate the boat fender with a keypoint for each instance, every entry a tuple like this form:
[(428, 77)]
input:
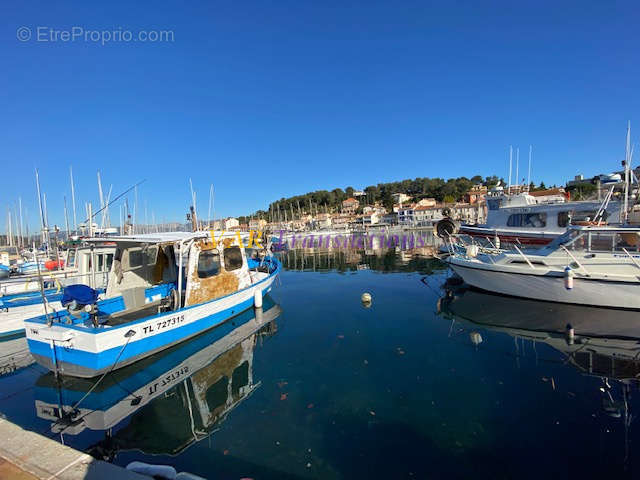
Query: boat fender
[(571, 334), (472, 251), (475, 338), (568, 278), (496, 241), (156, 471), (257, 299)]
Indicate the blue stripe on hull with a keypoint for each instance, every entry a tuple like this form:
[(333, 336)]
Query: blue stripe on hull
[(111, 390), (136, 349), (12, 334)]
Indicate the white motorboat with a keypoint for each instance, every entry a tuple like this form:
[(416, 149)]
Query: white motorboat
[(588, 265), (530, 219)]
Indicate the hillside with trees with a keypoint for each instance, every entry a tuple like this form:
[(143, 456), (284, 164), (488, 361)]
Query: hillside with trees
[(330, 201)]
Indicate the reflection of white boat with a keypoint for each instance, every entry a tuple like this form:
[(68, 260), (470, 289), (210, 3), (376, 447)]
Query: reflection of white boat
[(598, 342), (198, 384), (597, 266), (608, 348)]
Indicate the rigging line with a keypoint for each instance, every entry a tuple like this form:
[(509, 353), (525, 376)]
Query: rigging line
[(115, 199), (104, 374), (74, 407)]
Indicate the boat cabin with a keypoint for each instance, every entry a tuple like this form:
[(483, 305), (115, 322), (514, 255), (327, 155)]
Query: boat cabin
[(151, 274)]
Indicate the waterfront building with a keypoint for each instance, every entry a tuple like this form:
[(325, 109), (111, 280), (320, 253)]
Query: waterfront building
[(350, 205), (230, 223)]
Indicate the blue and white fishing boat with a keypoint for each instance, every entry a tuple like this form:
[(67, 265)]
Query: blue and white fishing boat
[(162, 290), (219, 360)]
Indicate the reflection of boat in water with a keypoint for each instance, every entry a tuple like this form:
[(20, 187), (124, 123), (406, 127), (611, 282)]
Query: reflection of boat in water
[(169, 400), (608, 348), (14, 355), (598, 342)]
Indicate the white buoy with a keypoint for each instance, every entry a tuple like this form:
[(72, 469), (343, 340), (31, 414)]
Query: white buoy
[(257, 299), (571, 334), (568, 278), (476, 338), (366, 297), (156, 471)]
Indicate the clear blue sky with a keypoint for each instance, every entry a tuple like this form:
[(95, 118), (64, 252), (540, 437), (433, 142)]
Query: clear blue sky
[(271, 99)]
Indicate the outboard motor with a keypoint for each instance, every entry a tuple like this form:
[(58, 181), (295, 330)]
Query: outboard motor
[(79, 298), (447, 227)]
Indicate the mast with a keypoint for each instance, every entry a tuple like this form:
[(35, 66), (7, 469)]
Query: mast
[(100, 192), (21, 224), (9, 231), (518, 168), (210, 205), (193, 203), (40, 207), (66, 217), (73, 200), (627, 161), (106, 219), (135, 210), (46, 220), (529, 174), (510, 161)]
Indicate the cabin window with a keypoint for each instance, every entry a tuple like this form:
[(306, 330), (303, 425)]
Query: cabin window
[(529, 220), (100, 263), (142, 256), (563, 218), (240, 378), (217, 394), (493, 203), (71, 258), (585, 216), (208, 264), (109, 261), (232, 258)]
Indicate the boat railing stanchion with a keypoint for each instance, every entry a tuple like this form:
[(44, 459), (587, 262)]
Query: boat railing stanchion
[(526, 259), (635, 262), (575, 259)]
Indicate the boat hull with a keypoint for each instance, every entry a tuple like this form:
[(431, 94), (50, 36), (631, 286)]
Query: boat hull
[(549, 287), (81, 353), (12, 319)]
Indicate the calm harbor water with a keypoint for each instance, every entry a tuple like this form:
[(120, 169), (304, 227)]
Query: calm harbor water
[(423, 383)]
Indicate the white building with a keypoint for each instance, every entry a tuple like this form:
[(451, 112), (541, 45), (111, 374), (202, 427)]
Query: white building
[(371, 218), (400, 197), (230, 223), (257, 224), (405, 215)]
